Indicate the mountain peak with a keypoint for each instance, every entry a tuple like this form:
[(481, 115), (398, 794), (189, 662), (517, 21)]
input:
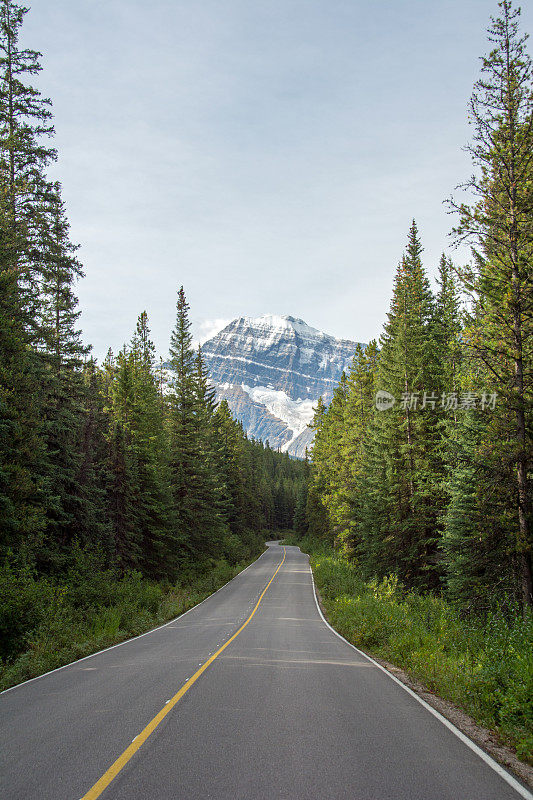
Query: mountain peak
[(278, 325), (279, 322), (272, 369)]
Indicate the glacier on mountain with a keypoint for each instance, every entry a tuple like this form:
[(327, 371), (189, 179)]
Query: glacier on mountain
[(297, 414), (272, 370)]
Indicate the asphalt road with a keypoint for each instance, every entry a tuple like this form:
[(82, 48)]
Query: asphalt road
[(287, 710)]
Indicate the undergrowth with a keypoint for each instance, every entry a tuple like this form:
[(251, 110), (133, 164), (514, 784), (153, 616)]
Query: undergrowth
[(482, 664), (45, 623)]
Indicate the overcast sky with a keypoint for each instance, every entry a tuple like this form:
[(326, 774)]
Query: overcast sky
[(268, 155)]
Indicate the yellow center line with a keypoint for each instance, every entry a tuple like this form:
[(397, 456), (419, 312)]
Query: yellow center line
[(139, 740)]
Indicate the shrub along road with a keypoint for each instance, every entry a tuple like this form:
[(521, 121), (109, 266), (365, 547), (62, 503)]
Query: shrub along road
[(250, 695)]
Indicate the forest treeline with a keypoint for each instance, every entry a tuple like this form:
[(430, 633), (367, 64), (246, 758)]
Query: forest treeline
[(100, 469), (119, 494), (422, 461)]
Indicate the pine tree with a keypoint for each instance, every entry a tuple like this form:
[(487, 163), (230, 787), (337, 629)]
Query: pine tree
[(404, 441), (123, 498), (478, 540), (22, 455), (24, 122), (63, 354), (194, 485), (317, 516), (447, 326), (358, 417), (142, 453), (142, 345), (91, 523), (300, 520), (150, 446), (499, 226), (234, 463)]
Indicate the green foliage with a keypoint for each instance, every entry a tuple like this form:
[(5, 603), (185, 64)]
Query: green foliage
[(121, 505), (45, 623), (406, 439), (434, 492), (378, 479), (24, 120), (478, 543), (23, 601), (483, 664), (196, 489), (110, 492), (498, 224)]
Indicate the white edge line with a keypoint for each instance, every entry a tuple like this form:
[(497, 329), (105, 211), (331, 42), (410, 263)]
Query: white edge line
[(516, 785), (133, 638)]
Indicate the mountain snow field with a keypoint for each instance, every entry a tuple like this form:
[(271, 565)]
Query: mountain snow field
[(271, 370)]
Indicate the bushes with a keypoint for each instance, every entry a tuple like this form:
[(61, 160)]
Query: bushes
[(44, 624), (483, 664), (24, 604)]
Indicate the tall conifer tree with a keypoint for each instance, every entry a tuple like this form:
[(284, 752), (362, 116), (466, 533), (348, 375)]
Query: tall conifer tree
[(194, 486), (405, 437), (499, 226), (25, 122)]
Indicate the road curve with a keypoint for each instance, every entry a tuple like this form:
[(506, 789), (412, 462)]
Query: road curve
[(286, 710)]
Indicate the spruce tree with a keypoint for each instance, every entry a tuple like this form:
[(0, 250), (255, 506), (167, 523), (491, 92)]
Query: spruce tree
[(91, 523), (25, 122), (405, 438), (194, 486), (22, 452), (240, 508), (123, 498), (63, 354), (447, 327), (358, 416), (317, 516), (499, 226), (149, 442), (480, 559)]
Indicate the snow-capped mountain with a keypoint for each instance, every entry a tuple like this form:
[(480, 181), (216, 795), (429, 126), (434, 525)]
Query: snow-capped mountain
[(272, 370)]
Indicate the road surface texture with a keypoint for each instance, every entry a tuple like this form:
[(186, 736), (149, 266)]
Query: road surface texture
[(286, 710)]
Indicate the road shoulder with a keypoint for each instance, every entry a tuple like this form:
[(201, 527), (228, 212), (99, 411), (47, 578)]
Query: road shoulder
[(486, 739)]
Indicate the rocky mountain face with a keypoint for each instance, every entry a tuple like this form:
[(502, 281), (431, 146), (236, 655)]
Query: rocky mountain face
[(272, 370)]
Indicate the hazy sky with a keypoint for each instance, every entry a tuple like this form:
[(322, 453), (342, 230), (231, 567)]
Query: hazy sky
[(268, 155)]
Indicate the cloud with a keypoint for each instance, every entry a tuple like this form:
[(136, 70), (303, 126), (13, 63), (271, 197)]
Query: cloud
[(208, 328)]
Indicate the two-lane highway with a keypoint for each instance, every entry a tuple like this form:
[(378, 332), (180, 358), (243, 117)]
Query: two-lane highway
[(249, 696)]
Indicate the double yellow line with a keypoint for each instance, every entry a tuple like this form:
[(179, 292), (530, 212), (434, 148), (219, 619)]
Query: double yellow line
[(139, 740)]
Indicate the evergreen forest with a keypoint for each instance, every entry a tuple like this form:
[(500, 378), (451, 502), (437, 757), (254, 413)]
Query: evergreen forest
[(418, 514), (422, 461), (120, 497), (126, 498)]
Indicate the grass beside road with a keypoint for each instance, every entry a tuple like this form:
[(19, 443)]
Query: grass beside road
[(483, 665), (45, 624)]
